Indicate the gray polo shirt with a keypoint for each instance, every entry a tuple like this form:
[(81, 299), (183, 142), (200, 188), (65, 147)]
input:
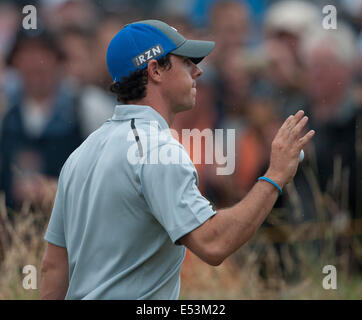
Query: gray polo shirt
[(124, 198)]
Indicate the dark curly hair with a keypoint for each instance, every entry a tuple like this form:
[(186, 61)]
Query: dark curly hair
[(133, 87)]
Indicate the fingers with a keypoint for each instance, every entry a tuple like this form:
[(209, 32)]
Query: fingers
[(295, 132), (305, 139), (290, 123), (292, 128), (298, 116)]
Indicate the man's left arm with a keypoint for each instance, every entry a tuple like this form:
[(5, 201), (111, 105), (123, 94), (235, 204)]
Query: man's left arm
[(54, 278)]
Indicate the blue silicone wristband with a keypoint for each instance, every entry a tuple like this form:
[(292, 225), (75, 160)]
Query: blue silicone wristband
[(273, 183)]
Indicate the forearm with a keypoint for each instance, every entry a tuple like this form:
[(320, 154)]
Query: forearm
[(236, 225), (53, 283)]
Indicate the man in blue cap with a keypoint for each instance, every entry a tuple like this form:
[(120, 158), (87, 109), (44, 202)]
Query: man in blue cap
[(119, 227)]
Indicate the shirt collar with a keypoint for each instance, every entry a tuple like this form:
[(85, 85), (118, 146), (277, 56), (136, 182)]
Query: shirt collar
[(132, 111)]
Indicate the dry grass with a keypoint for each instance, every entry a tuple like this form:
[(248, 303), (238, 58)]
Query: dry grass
[(259, 270), (21, 244), (286, 261), (231, 280)]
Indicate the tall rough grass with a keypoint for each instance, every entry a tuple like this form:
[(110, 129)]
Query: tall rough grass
[(280, 262), (285, 261), (21, 244)]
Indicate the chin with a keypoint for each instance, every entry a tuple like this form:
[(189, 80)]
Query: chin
[(185, 106), (190, 106)]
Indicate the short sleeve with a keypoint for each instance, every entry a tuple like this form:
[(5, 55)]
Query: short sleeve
[(55, 230), (173, 196)]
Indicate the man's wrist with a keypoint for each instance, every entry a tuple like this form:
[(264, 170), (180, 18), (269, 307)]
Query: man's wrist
[(263, 178), (276, 178)]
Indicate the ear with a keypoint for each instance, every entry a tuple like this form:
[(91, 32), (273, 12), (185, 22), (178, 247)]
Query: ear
[(154, 71)]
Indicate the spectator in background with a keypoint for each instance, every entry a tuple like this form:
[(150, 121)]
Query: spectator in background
[(255, 119), (330, 56), (229, 25), (76, 44), (292, 21), (287, 23), (40, 128), (233, 95), (105, 31), (60, 14), (95, 105)]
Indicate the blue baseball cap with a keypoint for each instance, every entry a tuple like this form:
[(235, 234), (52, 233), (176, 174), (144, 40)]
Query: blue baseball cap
[(141, 41)]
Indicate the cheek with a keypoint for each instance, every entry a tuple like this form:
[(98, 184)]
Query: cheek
[(188, 83), (183, 86), (179, 85)]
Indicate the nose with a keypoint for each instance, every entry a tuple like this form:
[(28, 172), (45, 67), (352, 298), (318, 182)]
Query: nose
[(197, 72)]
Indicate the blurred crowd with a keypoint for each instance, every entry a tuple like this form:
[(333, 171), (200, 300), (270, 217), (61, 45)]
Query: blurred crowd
[(271, 59)]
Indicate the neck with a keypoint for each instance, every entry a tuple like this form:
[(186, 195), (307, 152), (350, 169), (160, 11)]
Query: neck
[(160, 106)]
